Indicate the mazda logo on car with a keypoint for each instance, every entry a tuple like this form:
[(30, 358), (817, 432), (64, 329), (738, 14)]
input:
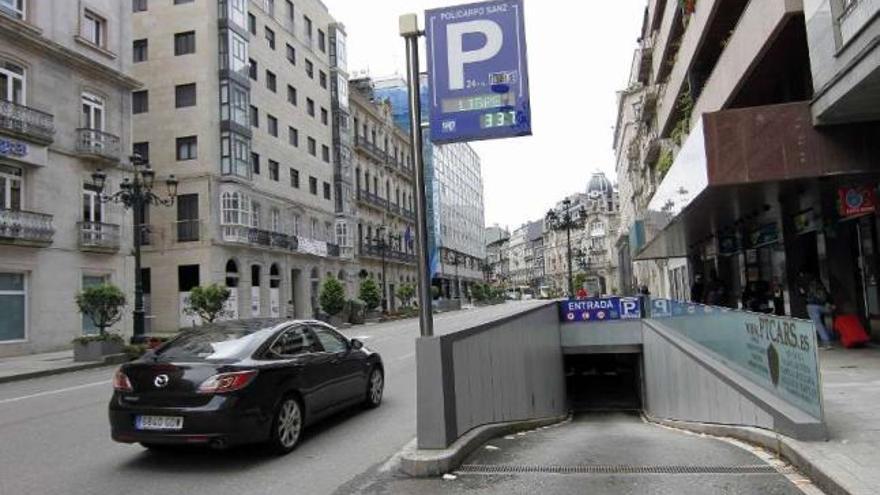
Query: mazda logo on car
[(160, 381)]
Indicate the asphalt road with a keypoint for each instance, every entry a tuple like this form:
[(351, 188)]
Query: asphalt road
[(55, 439)]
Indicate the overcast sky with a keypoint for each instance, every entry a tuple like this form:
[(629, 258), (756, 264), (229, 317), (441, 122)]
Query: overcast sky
[(579, 56)]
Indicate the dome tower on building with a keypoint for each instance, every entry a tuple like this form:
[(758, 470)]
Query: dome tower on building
[(599, 186)]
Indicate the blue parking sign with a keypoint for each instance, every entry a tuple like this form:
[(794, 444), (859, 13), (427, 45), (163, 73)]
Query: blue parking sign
[(478, 76)]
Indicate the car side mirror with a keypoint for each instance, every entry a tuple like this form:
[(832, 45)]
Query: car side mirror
[(356, 344)]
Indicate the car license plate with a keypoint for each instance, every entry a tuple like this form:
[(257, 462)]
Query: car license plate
[(158, 422)]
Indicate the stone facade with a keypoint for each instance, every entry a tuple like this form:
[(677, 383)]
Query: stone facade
[(64, 114)]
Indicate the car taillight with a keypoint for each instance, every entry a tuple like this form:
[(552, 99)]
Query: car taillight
[(227, 382), (121, 383)]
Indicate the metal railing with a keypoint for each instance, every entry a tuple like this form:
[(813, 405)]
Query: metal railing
[(27, 122), (97, 143), (257, 237), (373, 199), (26, 226), (854, 15), (100, 236), (360, 142)]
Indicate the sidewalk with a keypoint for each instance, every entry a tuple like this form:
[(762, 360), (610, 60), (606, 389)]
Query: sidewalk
[(851, 387), (36, 365)]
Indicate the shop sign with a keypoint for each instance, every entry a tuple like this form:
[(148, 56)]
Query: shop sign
[(764, 235), (12, 148), (600, 309), (857, 200), (805, 222)]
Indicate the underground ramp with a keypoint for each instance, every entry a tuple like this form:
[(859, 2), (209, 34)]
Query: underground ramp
[(603, 382), (607, 453)]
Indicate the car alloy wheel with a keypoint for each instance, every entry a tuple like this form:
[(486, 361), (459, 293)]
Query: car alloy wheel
[(375, 388), (288, 424)]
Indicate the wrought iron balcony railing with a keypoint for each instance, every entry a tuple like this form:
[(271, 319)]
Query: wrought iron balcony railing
[(26, 123), (97, 143), (96, 236), (26, 227)]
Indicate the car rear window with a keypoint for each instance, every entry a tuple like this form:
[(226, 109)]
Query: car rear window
[(210, 345)]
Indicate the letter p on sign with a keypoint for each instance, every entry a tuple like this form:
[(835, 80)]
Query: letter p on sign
[(458, 57)]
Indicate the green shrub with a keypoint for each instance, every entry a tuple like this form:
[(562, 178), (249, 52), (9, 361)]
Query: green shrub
[(103, 304), (406, 293), (435, 292), (369, 294), (332, 297), (208, 303)]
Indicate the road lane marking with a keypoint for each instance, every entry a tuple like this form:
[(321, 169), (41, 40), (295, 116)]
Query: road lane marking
[(52, 392)]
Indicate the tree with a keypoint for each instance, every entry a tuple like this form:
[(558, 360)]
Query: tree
[(480, 292), (579, 280), (209, 302), (369, 294), (103, 304), (406, 293), (332, 297)]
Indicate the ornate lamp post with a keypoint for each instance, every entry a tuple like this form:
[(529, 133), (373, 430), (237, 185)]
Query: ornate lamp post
[(380, 242), (137, 193), (567, 221)]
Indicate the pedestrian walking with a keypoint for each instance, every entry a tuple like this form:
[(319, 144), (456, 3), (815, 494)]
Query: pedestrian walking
[(818, 304)]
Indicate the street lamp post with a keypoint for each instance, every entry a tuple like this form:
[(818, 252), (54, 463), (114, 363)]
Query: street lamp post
[(137, 193), (567, 221), (379, 240)]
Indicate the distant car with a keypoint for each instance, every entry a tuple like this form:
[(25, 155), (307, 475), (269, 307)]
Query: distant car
[(242, 382)]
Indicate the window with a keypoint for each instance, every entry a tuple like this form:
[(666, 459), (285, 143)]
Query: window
[(313, 147), (235, 153), (325, 153), (325, 116), (310, 107), (290, 11), (141, 149), (293, 136), (185, 43), (139, 51), (294, 178), (10, 187), (187, 217), (255, 116), (12, 83), (331, 341), (322, 79), (270, 6), (252, 24), (307, 27), (270, 37), (140, 102), (136, 5), (313, 185), (94, 28), (294, 227), (187, 148), (272, 125), (256, 218), (88, 327), (322, 41), (291, 343), (252, 69), (179, 2), (187, 277), (93, 111), (235, 208), (270, 81), (275, 225), (310, 69), (13, 306), (185, 95), (327, 194), (291, 55), (235, 110), (291, 95), (274, 172), (255, 163), (314, 228)]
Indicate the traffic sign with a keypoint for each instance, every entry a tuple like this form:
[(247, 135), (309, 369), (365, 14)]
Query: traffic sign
[(478, 76)]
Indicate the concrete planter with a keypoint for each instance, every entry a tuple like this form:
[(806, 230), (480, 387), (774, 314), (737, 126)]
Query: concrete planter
[(95, 350)]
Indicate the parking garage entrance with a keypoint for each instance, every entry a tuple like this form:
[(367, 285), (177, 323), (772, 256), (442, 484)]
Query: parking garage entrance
[(603, 382)]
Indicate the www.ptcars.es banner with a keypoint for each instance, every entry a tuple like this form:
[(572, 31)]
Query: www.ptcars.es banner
[(600, 309)]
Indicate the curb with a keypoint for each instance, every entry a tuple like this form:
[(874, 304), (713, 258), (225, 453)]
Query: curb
[(108, 361), (779, 444), (426, 463)]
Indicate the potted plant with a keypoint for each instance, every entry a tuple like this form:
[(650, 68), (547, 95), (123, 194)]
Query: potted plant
[(103, 305), (369, 294), (208, 303), (332, 300)]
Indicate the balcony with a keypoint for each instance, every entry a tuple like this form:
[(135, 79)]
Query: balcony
[(333, 250), (393, 208), (26, 123), (361, 143), (371, 199), (93, 143), (856, 14), (98, 237), (26, 228), (390, 255)]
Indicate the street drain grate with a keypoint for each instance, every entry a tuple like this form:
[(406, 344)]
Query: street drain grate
[(614, 469)]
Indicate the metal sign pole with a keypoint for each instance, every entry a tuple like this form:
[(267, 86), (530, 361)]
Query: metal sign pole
[(409, 29)]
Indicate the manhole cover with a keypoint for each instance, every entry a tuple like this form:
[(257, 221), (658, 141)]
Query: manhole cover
[(615, 469)]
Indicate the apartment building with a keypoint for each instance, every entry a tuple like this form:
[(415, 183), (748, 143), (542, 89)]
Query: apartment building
[(240, 102), (748, 142), (64, 114), (384, 185)]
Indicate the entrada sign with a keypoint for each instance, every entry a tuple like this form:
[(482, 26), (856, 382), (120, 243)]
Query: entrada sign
[(479, 87), (600, 309)]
